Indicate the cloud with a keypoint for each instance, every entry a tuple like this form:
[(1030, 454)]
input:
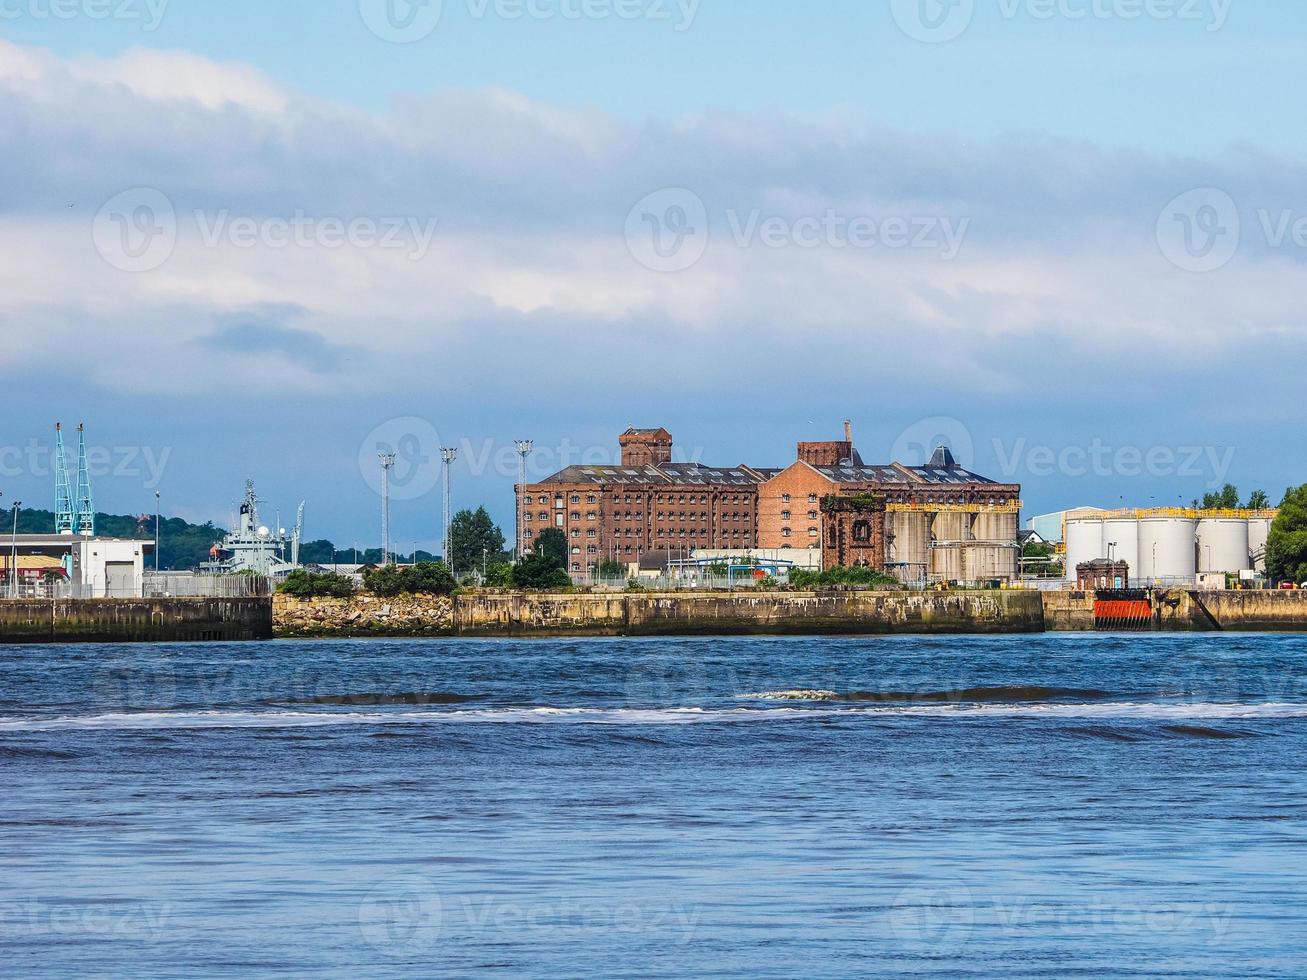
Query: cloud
[(255, 336), (530, 258)]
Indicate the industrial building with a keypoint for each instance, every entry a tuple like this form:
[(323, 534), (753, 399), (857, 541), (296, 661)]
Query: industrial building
[(51, 565), (74, 560), (1171, 546), (932, 523)]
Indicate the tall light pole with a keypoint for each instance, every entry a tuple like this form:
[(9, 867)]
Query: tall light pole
[(13, 554), (447, 457), (525, 447), (387, 464), (156, 532)]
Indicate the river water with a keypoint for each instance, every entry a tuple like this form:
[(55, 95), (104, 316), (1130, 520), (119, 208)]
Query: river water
[(1063, 805)]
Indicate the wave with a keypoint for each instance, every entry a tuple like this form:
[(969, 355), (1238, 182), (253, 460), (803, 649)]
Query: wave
[(368, 700), (1180, 713), (1019, 694)]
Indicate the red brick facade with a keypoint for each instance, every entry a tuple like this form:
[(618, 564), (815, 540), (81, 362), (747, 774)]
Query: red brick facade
[(650, 503)]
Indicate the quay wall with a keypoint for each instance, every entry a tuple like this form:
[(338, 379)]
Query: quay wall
[(662, 614), (134, 620)]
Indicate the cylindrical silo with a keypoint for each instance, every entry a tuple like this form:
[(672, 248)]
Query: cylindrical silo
[(1084, 543), (907, 555), (1168, 549), (1124, 534), (948, 532), (1259, 529), (1223, 545), (994, 554)]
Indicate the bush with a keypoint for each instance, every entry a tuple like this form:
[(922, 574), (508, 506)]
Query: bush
[(499, 576), (426, 578), (803, 578), (309, 585), (540, 571)]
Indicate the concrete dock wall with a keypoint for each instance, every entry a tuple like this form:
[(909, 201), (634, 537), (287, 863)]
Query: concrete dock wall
[(133, 620), (664, 614), (1069, 612), (1187, 611)]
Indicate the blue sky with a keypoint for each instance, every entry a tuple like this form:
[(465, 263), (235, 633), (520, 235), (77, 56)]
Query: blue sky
[(1069, 239)]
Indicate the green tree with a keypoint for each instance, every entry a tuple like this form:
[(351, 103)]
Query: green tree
[(472, 535), (1286, 548), (307, 585), (608, 568), (1227, 498), (499, 575), (428, 578), (1258, 500), (553, 544), (540, 571)]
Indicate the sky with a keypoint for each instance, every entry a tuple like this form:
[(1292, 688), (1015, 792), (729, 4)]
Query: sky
[(249, 240)]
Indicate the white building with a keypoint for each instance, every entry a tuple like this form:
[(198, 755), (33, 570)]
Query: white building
[(94, 568)]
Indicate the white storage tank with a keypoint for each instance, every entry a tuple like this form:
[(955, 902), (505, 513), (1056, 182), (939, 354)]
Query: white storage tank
[(1223, 545), (1084, 543), (1124, 533), (1259, 529), (1168, 549)]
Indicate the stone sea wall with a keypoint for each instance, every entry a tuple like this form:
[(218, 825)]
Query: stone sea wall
[(654, 614), (363, 616)]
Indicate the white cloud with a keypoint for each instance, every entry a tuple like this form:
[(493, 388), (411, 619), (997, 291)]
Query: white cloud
[(532, 202)]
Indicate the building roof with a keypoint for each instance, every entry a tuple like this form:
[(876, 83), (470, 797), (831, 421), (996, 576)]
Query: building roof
[(32, 563), (701, 475), (672, 474), (65, 540), (907, 475)]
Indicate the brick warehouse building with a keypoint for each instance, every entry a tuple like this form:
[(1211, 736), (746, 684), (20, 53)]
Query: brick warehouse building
[(941, 522)]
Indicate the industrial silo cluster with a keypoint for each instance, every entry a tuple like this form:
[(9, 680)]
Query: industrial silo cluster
[(1170, 546)]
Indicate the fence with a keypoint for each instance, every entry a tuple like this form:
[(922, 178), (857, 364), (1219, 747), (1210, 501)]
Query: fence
[(191, 585)]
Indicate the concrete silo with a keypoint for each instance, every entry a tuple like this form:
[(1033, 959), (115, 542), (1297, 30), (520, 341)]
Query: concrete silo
[(1259, 529), (1223, 545), (907, 555), (994, 554), (1168, 549), (948, 532), (1084, 543)]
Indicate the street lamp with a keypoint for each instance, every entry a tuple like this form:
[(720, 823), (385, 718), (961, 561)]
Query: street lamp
[(13, 553), (156, 532)]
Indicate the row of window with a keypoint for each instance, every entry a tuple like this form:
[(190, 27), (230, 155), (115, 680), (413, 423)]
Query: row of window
[(788, 533)]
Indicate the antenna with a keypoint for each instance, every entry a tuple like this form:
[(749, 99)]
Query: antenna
[(387, 464), (85, 501), (65, 516), (297, 537), (447, 456), (524, 449)]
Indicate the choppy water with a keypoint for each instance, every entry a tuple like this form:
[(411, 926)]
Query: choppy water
[(1024, 806)]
